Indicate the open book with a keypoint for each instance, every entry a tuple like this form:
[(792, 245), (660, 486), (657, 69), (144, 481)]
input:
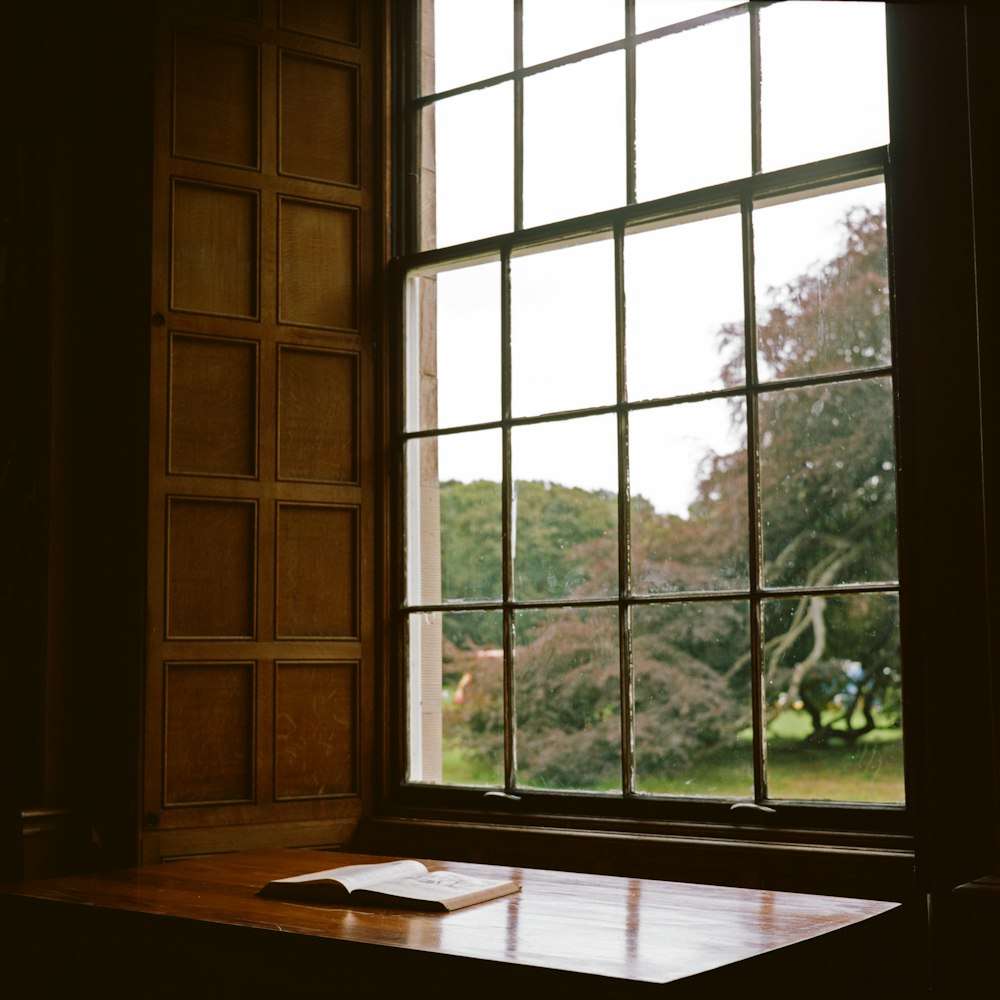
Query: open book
[(406, 884)]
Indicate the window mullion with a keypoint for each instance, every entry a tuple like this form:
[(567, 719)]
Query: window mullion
[(507, 535), (754, 540), (626, 676), (518, 116)]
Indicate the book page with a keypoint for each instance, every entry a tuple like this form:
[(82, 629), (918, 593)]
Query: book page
[(353, 877), (433, 886)]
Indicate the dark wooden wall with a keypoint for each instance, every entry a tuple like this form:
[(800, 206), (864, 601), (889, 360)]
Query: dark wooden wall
[(75, 206)]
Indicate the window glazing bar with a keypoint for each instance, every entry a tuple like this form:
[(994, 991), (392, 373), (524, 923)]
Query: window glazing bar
[(507, 531), (626, 673), (845, 170), (754, 542)]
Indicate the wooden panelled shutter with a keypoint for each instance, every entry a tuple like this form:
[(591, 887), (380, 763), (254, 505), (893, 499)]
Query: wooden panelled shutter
[(265, 232)]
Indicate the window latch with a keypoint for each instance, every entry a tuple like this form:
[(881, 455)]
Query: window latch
[(753, 807)]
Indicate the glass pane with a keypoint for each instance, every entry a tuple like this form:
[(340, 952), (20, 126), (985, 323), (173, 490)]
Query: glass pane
[(692, 126), (421, 352), (688, 482), (563, 329), (471, 546), (684, 308), (467, 178), (822, 285), (828, 484), (568, 700), (823, 81), (472, 41), (472, 698), (834, 706), (565, 539), (454, 518), (467, 334), (692, 699), (424, 702), (650, 14), (554, 28), (574, 139)]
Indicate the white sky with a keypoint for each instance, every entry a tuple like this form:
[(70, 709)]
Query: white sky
[(822, 94)]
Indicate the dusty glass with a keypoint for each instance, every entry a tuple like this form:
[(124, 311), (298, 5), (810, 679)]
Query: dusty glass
[(567, 699), (833, 698), (565, 539), (691, 665), (468, 175), (574, 139)]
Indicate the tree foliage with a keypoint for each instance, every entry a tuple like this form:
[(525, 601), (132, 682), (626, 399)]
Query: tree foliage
[(826, 486)]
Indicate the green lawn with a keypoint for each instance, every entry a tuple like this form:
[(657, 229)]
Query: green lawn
[(871, 771)]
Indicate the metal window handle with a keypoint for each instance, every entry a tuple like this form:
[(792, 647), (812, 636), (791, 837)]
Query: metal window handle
[(753, 807)]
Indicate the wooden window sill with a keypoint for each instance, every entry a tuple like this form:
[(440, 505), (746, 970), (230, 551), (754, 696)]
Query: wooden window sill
[(198, 924)]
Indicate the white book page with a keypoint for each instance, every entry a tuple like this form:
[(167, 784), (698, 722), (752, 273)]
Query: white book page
[(353, 877), (433, 885)]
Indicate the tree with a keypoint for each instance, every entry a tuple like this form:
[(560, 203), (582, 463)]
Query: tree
[(554, 524), (827, 505)]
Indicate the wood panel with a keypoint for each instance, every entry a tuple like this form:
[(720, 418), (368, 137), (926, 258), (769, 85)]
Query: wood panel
[(248, 10), (315, 729), (319, 119), (214, 250), (336, 20), (213, 406), (209, 724), (211, 568), (259, 685), (216, 83), (317, 415), (316, 592), (318, 265)]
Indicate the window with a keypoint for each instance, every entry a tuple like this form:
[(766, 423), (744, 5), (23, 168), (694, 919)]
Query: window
[(648, 445)]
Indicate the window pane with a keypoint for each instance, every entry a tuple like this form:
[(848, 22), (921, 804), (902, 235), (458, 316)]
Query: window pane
[(832, 683), (692, 699), (454, 517), (574, 139), (692, 125), (554, 28), (688, 481), (471, 543), (472, 41), (472, 696), (455, 722), (565, 509), (568, 700), (822, 285), (468, 345), (467, 183), (424, 703), (563, 329), (823, 81), (650, 14), (684, 308), (828, 484)]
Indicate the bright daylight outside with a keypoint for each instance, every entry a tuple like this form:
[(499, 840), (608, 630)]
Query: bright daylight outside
[(649, 443)]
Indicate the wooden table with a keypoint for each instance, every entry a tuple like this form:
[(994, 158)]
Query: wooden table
[(195, 927)]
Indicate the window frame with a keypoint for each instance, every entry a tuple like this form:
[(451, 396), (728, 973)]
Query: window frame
[(546, 824)]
